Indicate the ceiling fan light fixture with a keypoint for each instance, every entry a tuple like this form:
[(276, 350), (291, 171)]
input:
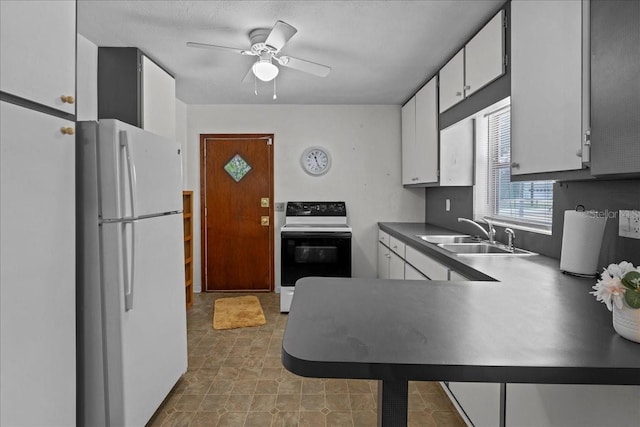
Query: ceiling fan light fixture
[(265, 70)]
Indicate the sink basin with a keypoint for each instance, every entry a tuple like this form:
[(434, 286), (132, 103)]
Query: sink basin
[(481, 248), (448, 238)]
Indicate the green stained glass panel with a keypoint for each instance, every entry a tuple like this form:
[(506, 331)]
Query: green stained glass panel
[(237, 167)]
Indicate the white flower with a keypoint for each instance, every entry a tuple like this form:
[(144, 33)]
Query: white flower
[(609, 289), (619, 270)]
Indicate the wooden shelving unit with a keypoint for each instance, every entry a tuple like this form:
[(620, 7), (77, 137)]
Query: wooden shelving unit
[(187, 202)]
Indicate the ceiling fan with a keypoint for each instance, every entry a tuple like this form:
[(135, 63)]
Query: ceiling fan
[(266, 45)]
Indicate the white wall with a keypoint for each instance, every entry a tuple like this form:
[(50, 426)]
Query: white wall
[(181, 137), (364, 142)]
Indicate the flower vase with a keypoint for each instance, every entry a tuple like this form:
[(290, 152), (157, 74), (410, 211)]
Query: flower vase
[(626, 322)]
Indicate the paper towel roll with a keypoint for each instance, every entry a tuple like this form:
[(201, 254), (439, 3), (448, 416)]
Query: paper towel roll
[(581, 242)]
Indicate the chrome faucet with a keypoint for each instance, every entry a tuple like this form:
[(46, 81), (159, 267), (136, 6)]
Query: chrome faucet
[(491, 233), (511, 236)]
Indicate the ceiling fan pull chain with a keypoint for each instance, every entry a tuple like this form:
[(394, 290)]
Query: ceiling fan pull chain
[(274, 89)]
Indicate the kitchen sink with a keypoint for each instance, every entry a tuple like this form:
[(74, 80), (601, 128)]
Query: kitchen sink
[(448, 238), (482, 248)]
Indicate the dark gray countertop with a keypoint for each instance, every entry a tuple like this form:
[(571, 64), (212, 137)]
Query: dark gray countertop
[(531, 324)]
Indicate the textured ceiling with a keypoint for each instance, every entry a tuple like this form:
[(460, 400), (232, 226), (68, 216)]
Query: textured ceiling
[(380, 52)]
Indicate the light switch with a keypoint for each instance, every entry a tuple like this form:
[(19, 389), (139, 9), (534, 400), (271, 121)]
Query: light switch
[(447, 205)]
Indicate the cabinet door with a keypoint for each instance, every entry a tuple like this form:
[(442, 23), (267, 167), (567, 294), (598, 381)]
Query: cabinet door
[(158, 100), (560, 405), (383, 261), (456, 154), (38, 42), (479, 401), (37, 269), (452, 81), (484, 55), (615, 71), (426, 265), (409, 142), (454, 276), (425, 156), (396, 267), (411, 273), (546, 86)]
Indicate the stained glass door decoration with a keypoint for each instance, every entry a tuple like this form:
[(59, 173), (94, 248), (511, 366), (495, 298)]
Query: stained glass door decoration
[(237, 167)]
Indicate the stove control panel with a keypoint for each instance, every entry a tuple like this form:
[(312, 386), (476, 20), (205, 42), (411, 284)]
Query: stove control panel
[(316, 209)]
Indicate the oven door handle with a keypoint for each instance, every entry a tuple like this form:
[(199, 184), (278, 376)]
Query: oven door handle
[(325, 234)]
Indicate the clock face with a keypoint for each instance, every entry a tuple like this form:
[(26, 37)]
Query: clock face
[(315, 160)]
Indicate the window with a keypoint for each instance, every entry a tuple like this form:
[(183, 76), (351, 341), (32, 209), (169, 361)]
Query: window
[(522, 204)]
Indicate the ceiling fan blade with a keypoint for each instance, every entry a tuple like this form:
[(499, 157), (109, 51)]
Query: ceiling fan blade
[(305, 66), (216, 47), (280, 35)]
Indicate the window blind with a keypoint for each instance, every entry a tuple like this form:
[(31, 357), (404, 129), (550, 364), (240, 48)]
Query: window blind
[(527, 202)]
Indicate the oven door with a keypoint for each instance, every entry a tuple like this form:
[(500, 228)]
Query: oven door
[(305, 254)]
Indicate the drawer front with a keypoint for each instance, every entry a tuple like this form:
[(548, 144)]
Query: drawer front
[(383, 238), (427, 266), (397, 246)]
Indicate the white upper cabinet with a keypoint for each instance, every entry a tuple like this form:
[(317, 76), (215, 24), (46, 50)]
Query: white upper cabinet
[(134, 89), (456, 154), (546, 86), (408, 141), (420, 137), (159, 100), (479, 63), (452, 82), (484, 55), (38, 41)]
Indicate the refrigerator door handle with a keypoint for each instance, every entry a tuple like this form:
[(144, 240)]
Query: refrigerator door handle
[(124, 143), (129, 264)]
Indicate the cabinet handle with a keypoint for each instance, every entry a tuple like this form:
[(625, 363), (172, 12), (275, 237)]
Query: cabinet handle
[(515, 165), (414, 179), (68, 99), (458, 93), (467, 88), (67, 131)]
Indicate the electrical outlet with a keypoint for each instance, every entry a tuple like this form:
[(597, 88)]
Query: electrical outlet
[(629, 224), (278, 207)]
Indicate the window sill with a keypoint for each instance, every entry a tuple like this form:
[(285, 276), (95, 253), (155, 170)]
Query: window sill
[(520, 226)]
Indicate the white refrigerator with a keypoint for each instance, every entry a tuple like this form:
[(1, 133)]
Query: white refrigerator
[(132, 343)]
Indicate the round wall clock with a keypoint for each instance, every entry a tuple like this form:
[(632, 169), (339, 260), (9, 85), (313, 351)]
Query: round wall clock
[(315, 161)]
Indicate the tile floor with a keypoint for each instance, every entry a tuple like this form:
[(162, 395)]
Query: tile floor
[(235, 378)]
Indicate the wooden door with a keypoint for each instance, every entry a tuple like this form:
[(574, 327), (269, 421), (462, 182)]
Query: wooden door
[(236, 182)]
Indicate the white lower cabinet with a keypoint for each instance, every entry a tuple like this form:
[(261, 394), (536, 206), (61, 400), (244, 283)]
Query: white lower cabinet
[(384, 255), (396, 259), (454, 276), (427, 266), (561, 405), (411, 273), (479, 401), (396, 267)]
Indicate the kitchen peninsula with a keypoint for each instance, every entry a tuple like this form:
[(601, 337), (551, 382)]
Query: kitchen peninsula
[(531, 324)]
